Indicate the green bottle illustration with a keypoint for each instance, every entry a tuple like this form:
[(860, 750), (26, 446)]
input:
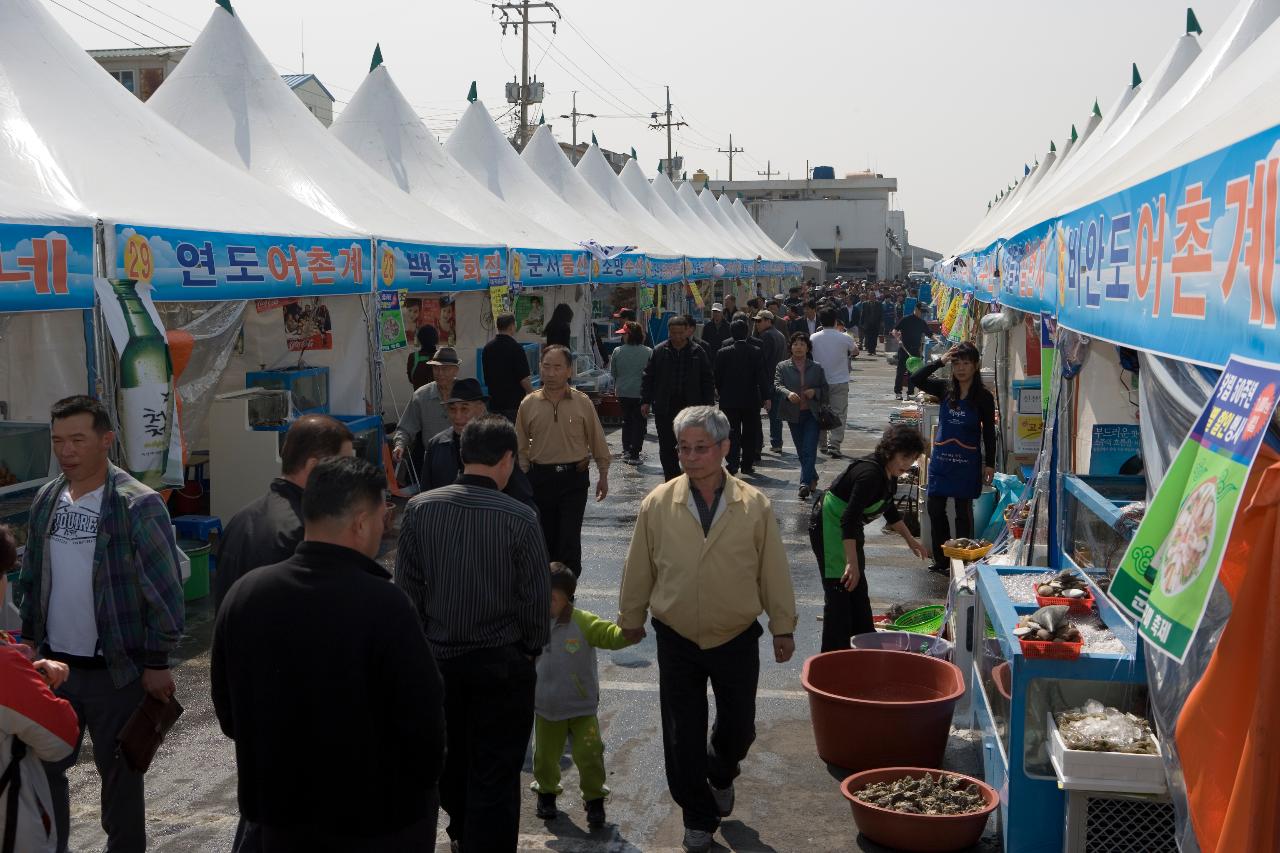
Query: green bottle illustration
[(146, 382)]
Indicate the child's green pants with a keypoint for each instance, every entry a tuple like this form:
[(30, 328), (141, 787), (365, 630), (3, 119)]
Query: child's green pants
[(588, 755)]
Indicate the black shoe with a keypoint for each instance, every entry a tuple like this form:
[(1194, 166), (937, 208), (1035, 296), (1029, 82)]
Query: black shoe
[(941, 570), (804, 492), (748, 472), (595, 813), (547, 807)]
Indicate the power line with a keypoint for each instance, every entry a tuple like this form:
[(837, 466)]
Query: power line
[(96, 24), (603, 59), (110, 17), (144, 20)]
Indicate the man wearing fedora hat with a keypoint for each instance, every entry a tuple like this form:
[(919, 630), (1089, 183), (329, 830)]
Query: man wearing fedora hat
[(442, 458), (426, 415)]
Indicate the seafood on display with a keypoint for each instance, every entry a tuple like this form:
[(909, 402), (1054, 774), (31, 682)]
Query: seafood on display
[(1100, 728), (948, 795), (1066, 584), (1048, 624)]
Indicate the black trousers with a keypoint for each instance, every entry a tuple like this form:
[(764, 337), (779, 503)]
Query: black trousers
[(870, 337), (488, 711), (419, 835), (664, 422), (691, 762), (940, 525), (846, 613), (561, 497), (902, 376), (744, 437), (633, 426)]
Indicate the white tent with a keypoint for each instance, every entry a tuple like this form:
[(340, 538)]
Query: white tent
[(713, 244), (800, 250), (750, 225), (689, 240), (732, 249), (382, 129), (709, 203), (599, 175), (748, 236)]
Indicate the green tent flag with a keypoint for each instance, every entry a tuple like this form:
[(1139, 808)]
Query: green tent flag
[(593, 138), (226, 4), (472, 96), (377, 57), (1193, 26)]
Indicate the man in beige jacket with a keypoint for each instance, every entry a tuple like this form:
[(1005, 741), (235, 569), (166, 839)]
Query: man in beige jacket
[(707, 558)]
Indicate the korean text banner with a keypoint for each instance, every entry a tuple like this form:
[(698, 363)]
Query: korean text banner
[(204, 266), (1022, 272), (1169, 570), (538, 268), (45, 268), (696, 269), (1182, 264), (623, 269), (665, 270), (439, 269)]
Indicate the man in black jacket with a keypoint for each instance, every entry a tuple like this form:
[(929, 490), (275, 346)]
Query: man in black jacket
[(716, 332), (872, 315), (339, 735), (269, 529), (679, 374), (773, 350), (742, 387), (442, 459)]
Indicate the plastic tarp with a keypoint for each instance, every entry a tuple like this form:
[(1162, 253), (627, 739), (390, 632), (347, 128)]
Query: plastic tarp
[(381, 128), (226, 95), (62, 112)]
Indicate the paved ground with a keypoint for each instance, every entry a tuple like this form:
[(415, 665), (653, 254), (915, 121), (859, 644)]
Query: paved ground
[(787, 800)]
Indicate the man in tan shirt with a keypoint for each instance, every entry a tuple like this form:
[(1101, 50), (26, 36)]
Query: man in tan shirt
[(707, 558), (559, 433)]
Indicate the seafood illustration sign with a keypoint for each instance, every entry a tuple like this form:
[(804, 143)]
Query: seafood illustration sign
[(1171, 565)]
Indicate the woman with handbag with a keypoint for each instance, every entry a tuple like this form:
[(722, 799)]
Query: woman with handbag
[(802, 387), (964, 447)]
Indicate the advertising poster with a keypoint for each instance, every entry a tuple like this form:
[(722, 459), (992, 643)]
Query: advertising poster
[(1030, 420), (307, 325), (391, 332), (1172, 563), (531, 314), (499, 299), (1116, 449), (435, 311)]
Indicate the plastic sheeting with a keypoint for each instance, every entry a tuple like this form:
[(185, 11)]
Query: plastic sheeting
[(215, 332), (48, 346)]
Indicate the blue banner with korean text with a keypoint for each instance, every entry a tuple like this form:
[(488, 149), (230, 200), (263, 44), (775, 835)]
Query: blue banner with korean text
[(45, 267), (623, 269), (664, 270), (542, 267), (418, 268), (204, 266), (697, 269)]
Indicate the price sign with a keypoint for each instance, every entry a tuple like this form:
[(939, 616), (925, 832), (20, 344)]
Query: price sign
[(388, 267), (138, 263)]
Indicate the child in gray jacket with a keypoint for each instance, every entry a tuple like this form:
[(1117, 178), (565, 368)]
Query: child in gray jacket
[(567, 697)]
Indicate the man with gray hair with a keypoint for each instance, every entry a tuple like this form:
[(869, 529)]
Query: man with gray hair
[(706, 558)]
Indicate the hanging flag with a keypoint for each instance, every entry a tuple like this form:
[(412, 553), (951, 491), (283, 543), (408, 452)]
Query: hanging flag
[(603, 253)]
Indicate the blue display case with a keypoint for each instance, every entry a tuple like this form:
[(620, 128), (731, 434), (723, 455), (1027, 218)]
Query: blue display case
[(1013, 694), (368, 435), (308, 387), (532, 351)]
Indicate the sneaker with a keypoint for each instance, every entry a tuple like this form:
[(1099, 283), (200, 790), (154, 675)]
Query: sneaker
[(595, 813), (697, 840), (547, 807), (724, 799)]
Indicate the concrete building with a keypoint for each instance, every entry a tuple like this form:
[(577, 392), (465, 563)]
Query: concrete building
[(615, 160), (141, 70), (848, 222)]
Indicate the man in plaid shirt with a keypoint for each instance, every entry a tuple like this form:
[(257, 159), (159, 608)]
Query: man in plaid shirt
[(100, 591)]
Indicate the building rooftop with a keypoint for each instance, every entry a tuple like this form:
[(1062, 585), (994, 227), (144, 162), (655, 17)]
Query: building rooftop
[(296, 80), (136, 52)]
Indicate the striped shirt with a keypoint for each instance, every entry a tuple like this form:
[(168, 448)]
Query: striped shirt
[(474, 564)]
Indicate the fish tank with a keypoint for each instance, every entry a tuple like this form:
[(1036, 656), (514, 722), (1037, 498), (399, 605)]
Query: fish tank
[(307, 386), (26, 456)]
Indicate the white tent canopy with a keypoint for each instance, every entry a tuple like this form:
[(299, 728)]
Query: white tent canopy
[(708, 201), (226, 95), (545, 159), (61, 112), (800, 250), (601, 178), (752, 239), (381, 128), (686, 239), (482, 149), (713, 245), (730, 247), (752, 227)]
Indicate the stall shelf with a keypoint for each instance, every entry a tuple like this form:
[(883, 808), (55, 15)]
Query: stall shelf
[(1013, 694)]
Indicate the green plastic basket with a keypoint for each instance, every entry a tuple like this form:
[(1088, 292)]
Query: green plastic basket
[(922, 620), (991, 632), (914, 363)]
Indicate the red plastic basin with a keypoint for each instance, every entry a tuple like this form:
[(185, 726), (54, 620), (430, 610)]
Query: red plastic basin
[(873, 708), (916, 833)]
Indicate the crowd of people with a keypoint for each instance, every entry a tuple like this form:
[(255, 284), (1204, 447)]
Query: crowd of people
[(472, 644)]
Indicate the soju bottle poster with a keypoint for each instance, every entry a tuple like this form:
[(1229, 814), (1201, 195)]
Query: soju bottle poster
[(1171, 565), (146, 406)]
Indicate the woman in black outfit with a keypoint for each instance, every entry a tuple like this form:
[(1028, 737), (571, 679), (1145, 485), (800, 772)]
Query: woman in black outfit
[(557, 329), (959, 465), (863, 492)]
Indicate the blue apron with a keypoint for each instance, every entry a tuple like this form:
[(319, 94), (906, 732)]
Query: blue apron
[(955, 468)]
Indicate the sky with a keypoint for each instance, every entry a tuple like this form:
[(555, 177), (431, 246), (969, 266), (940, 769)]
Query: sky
[(951, 97)]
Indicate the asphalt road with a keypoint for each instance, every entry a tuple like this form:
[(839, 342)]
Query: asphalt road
[(787, 800)]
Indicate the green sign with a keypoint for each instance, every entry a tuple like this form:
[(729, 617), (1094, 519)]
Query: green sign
[(391, 331), (1172, 563)]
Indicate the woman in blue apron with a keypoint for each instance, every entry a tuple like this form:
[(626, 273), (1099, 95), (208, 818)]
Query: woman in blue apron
[(964, 446)]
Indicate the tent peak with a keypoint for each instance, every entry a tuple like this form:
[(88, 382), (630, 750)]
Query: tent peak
[(633, 153), (377, 57), (472, 95), (1074, 136), (1053, 147), (1097, 111), (594, 141), (226, 4), (1137, 78), (1193, 26)]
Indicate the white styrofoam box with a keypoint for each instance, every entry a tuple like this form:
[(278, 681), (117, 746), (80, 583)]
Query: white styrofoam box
[(1082, 769)]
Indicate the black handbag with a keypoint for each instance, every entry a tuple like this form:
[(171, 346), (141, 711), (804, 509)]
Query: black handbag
[(827, 418)]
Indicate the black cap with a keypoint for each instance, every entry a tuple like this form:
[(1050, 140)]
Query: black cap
[(467, 391)]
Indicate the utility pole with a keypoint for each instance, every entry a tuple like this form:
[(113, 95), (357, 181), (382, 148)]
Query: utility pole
[(730, 151), (522, 26), (668, 124), (574, 115), (768, 172)]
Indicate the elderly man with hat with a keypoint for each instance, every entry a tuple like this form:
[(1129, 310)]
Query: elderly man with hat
[(426, 415), (716, 331), (442, 459)]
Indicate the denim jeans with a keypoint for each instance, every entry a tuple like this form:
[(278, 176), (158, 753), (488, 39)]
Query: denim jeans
[(804, 433)]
